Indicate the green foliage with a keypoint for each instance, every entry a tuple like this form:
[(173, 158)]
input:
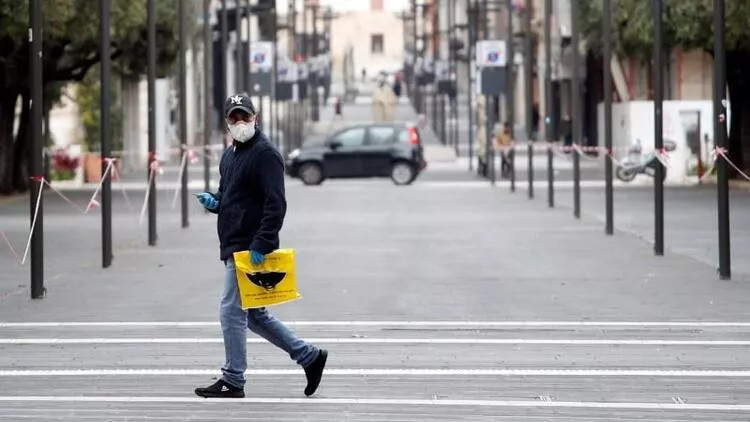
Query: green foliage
[(88, 98), (71, 39), (688, 24)]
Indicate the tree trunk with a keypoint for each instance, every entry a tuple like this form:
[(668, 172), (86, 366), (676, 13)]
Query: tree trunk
[(738, 80), (21, 149), (7, 118)]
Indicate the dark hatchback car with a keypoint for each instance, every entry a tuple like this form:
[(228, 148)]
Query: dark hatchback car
[(370, 150)]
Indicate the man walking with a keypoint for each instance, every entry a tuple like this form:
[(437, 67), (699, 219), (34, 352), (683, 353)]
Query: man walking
[(251, 206)]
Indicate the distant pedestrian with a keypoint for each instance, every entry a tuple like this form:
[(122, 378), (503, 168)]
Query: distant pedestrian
[(567, 130), (504, 144), (364, 74), (383, 103), (337, 108), (397, 85), (251, 206), (535, 122)]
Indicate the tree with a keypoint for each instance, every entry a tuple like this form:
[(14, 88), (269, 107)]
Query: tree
[(687, 24), (70, 50)]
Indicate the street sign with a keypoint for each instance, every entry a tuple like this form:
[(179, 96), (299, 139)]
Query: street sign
[(491, 53), (261, 56), (491, 81)]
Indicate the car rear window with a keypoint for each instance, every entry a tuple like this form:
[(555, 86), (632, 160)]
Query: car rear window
[(382, 135)]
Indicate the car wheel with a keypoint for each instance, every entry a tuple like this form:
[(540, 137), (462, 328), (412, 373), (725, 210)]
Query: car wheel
[(311, 174), (402, 173)]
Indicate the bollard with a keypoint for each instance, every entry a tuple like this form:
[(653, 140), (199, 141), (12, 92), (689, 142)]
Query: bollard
[(550, 177)]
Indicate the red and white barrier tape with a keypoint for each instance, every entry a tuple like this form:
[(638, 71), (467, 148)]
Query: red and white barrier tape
[(22, 260), (155, 169), (722, 152), (183, 165), (93, 202), (663, 156), (582, 152)]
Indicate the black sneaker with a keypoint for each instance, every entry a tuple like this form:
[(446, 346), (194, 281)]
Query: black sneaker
[(220, 389), (314, 372)]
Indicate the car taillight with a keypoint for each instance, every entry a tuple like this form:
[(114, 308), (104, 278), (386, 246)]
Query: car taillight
[(413, 136)]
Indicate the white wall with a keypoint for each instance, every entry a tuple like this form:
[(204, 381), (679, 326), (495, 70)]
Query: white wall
[(355, 29), (633, 122)]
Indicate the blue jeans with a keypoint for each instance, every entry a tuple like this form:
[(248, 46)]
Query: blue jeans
[(234, 325)]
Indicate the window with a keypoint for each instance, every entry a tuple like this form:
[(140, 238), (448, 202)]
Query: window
[(382, 135), (376, 44), (351, 138)]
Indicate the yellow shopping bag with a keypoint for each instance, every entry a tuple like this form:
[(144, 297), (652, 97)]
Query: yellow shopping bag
[(271, 283)]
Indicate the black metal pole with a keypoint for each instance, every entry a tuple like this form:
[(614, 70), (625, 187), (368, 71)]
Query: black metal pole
[(239, 64), (290, 134), (471, 22), (441, 117), (452, 103), (548, 101), (576, 104), (106, 86), (224, 43), (274, 75), (151, 58), (207, 128), (528, 83), (509, 99), (183, 108), (490, 123), (720, 135), (607, 35), (248, 24), (658, 133), (305, 55), (37, 151), (315, 111)]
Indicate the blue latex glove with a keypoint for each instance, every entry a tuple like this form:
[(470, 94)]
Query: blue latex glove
[(257, 258), (208, 201)]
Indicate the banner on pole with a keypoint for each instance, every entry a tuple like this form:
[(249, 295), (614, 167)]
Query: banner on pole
[(261, 56), (491, 53)]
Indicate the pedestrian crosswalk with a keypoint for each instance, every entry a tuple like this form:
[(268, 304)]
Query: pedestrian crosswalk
[(383, 371)]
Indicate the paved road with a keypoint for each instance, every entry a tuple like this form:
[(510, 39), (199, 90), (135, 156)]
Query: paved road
[(438, 301)]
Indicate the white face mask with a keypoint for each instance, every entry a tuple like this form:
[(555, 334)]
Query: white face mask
[(242, 131)]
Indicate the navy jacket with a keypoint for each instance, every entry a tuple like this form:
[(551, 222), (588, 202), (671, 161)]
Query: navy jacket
[(252, 203)]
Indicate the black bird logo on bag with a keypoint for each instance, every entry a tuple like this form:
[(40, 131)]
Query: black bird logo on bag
[(267, 281)]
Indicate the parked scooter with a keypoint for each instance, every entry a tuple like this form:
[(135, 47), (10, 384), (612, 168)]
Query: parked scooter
[(637, 164)]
